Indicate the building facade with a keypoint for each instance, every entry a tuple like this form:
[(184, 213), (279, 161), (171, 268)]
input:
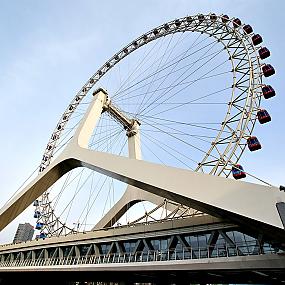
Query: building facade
[(24, 232)]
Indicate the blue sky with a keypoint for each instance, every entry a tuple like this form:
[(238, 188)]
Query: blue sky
[(50, 48)]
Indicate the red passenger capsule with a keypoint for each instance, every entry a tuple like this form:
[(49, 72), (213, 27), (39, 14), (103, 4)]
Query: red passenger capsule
[(268, 91), (248, 29), (264, 53), (268, 70), (253, 143), (263, 116), (236, 22), (238, 172), (256, 39), (225, 18)]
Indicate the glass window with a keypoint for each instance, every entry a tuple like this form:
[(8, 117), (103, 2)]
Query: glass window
[(164, 244), (156, 244), (202, 241), (194, 241), (105, 248)]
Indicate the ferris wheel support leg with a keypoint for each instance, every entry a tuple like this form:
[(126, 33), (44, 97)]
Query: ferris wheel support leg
[(59, 167), (84, 131), (132, 195)]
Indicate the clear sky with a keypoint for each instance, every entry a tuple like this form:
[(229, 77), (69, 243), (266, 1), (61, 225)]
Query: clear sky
[(50, 48)]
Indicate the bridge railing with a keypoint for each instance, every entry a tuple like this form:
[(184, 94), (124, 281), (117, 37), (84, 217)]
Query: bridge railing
[(144, 256)]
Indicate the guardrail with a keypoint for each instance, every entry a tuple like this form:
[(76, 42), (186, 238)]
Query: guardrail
[(144, 256)]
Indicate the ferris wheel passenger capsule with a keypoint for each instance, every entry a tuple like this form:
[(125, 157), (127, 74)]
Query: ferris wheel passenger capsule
[(256, 39), (268, 70), (39, 226), (213, 17), (43, 235), (177, 23), (264, 53), (263, 116), (225, 18), (253, 143), (238, 171), (268, 91), (236, 22), (201, 18), (248, 29), (37, 214), (189, 19)]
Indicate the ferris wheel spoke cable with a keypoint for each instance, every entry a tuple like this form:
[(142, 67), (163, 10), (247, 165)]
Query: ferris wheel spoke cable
[(144, 61), (191, 65), (138, 67), (164, 67), (78, 188), (97, 138), (213, 156), (188, 85), (122, 92), (102, 141), (147, 56), (85, 219), (68, 181), (171, 96), (195, 125), (173, 65), (168, 129), (179, 84), (155, 74), (184, 142), (100, 189), (57, 197), (189, 102), (172, 71), (159, 145), (179, 132), (194, 101)]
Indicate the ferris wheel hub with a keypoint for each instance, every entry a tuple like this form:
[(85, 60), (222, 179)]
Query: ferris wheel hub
[(129, 124)]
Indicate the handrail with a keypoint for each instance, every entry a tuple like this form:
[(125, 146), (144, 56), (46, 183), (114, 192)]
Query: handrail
[(142, 256)]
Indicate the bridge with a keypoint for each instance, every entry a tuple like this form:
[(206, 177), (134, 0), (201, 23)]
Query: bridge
[(156, 252), (238, 240), (234, 235)]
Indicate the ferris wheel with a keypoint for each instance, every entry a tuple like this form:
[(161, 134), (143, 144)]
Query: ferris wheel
[(185, 94)]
